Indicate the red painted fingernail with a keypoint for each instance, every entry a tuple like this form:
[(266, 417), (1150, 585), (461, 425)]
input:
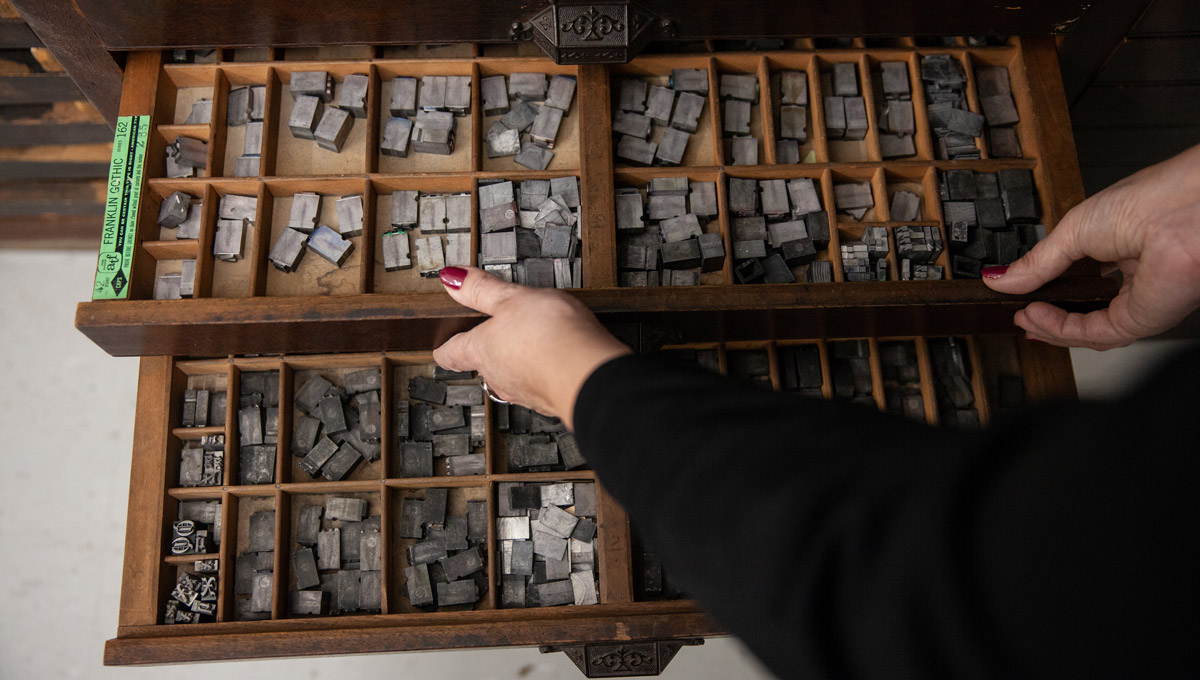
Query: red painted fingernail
[(993, 272), (453, 277), (1032, 338)]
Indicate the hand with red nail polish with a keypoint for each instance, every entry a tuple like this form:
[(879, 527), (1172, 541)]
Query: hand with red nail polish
[(536, 350), (1148, 226)]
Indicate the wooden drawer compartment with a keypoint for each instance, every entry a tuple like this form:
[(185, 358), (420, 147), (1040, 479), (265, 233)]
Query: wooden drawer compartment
[(625, 612), (249, 307)]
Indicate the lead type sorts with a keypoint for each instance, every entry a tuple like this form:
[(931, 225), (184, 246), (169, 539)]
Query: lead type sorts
[(530, 231), (642, 108), (777, 225), (337, 559), (531, 112), (446, 557), (661, 241), (546, 535), (440, 419)]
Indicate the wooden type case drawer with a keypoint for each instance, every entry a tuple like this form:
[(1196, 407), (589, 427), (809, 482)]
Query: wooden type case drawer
[(249, 307), (625, 615)]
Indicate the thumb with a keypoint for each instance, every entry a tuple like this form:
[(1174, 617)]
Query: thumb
[(475, 288), (1049, 258), (457, 353)]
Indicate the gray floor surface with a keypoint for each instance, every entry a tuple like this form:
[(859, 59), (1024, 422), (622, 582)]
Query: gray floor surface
[(66, 411)]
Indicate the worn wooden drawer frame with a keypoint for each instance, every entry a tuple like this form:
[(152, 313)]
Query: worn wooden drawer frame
[(149, 572), (248, 307)]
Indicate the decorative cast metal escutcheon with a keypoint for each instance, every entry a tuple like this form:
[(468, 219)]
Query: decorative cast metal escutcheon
[(623, 659), (572, 32)]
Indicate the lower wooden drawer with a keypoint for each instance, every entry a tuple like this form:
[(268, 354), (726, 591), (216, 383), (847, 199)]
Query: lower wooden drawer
[(260, 504)]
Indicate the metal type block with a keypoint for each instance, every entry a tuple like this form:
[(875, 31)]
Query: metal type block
[(334, 128), (330, 246), (419, 422), (446, 418), (749, 250), (494, 92), (250, 425), (680, 228), (271, 425), (835, 117), (744, 151), (787, 151), (989, 213), (712, 254), (416, 459), (262, 531), (556, 241), (957, 212), (311, 392), (307, 112), (798, 252), (229, 239), (427, 552), (458, 94), (539, 272), (246, 166), (561, 92), (774, 197), (1003, 143), (458, 250), (520, 117), (432, 95), (845, 79), (895, 79), (512, 592), (304, 568), (527, 86), (632, 124), (191, 467), (288, 250), (404, 209), (238, 107), (435, 506), (418, 586), (533, 192), (900, 118), (451, 445), (776, 270), (999, 110), (341, 463), (749, 228), (433, 132), (793, 88), (737, 118), (189, 228), (457, 593), (512, 528), (665, 206), (896, 146), (349, 590), (257, 464), (632, 96), (635, 150), (191, 152), (672, 147), (396, 134), (235, 207), (174, 210), (525, 497), (681, 254), (455, 533), (166, 287), (369, 552), (496, 194), (200, 114), (555, 593), (432, 210), (856, 118), (521, 560), (965, 267), (462, 564), (853, 196), (502, 140), (747, 271), (689, 80), (430, 257), (557, 570), (345, 509), (583, 588), (738, 86), (688, 108), (659, 103), (332, 415), (312, 83), (585, 530), (743, 197), (476, 521), (174, 169), (309, 602), (793, 123), (306, 207), (782, 232), (534, 156), (561, 495), (545, 126), (412, 517), (549, 545), (260, 596)]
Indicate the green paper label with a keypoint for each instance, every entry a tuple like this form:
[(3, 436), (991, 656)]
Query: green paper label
[(124, 190)]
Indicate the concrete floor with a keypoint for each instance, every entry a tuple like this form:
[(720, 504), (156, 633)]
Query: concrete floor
[(67, 416)]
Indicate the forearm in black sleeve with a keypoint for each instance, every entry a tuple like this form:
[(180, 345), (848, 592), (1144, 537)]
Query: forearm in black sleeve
[(837, 541)]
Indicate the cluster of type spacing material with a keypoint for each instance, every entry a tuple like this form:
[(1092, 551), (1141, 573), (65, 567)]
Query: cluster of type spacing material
[(952, 383), (845, 107), (443, 417), (918, 248), (258, 427), (546, 535), (800, 370), (897, 123), (675, 108), (526, 130), (235, 215), (194, 597), (739, 92), (338, 564), (955, 126), (304, 233), (662, 241), (336, 427), (530, 231), (791, 115), (254, 569), (446, 562), (777, 225), (203, 465), (445, 232), (850, 364), (328, 126), (996, 100), (245, 108), (423, 119), (186, 156), (992, 218), (902, 379), (534, 442)]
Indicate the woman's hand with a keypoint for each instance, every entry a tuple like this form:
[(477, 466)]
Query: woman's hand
[(1148, 225), (537, 349)]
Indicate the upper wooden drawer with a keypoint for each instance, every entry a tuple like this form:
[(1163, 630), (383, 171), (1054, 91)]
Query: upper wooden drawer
[(249, 307)]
